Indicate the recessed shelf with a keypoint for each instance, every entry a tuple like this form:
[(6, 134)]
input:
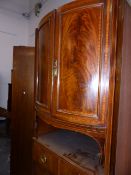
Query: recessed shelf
[(75, 147)]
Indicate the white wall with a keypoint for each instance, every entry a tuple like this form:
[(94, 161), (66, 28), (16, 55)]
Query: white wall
[(13, 31), (47, 7), (16, 30)]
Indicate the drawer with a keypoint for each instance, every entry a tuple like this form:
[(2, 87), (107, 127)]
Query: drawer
[(67, 168), (48, 161), (39, 170)]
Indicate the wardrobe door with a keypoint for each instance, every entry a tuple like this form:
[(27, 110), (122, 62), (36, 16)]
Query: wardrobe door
[(80, 91), (22, 114), (44, 55)]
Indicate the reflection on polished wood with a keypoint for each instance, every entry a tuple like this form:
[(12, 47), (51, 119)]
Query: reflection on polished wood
[(80, 91), (44, 54), (78, 86), (80, 54)]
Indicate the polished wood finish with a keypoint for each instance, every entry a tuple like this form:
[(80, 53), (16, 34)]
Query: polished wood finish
[(86, 76), (66, 168), (77, 87), (37, 169), (115, 140), (22, 114), (123, 152), (80, 96), (42, 128), (46, 159), (45, 53), (114, 86), (62, 153)]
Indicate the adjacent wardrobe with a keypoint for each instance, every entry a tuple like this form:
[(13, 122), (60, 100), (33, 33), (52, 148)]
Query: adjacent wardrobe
[(22, 110)]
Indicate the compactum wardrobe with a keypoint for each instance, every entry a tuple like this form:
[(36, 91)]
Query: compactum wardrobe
[(22, 111), (78, 70)]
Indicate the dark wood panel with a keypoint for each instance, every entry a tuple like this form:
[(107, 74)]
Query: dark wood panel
[(22, 117), (86, 77), (79, 63), (93, 131), (44, 54), (38, 170), (46, 159), (43, 63), (81, 86), (67, 169), (123, 152), (61, 149)]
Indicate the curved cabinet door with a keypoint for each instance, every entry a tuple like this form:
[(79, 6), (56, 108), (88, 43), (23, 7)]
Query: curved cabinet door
[(80, 91), (44, 55)]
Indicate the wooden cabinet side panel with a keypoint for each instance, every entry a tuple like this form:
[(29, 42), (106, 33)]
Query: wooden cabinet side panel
[(123, 152)]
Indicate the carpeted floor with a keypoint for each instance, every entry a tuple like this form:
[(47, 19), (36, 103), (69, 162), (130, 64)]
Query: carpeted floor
[(4, 150)]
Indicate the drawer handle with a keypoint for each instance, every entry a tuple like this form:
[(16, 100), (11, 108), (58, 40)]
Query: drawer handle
[(43, 159)]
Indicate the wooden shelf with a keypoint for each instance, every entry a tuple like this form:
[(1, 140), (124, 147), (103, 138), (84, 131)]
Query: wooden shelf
[(73, 146)]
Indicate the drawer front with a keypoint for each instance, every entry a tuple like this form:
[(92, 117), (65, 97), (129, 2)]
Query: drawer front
[(67, 168), (38, 170), (46, 159)]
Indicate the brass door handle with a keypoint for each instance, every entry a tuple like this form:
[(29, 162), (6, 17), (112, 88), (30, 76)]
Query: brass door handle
[(54, 72), (55, 68), (43, 159)]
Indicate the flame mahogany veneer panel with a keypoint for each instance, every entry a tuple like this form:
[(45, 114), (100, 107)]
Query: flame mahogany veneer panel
[(81, 86)]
